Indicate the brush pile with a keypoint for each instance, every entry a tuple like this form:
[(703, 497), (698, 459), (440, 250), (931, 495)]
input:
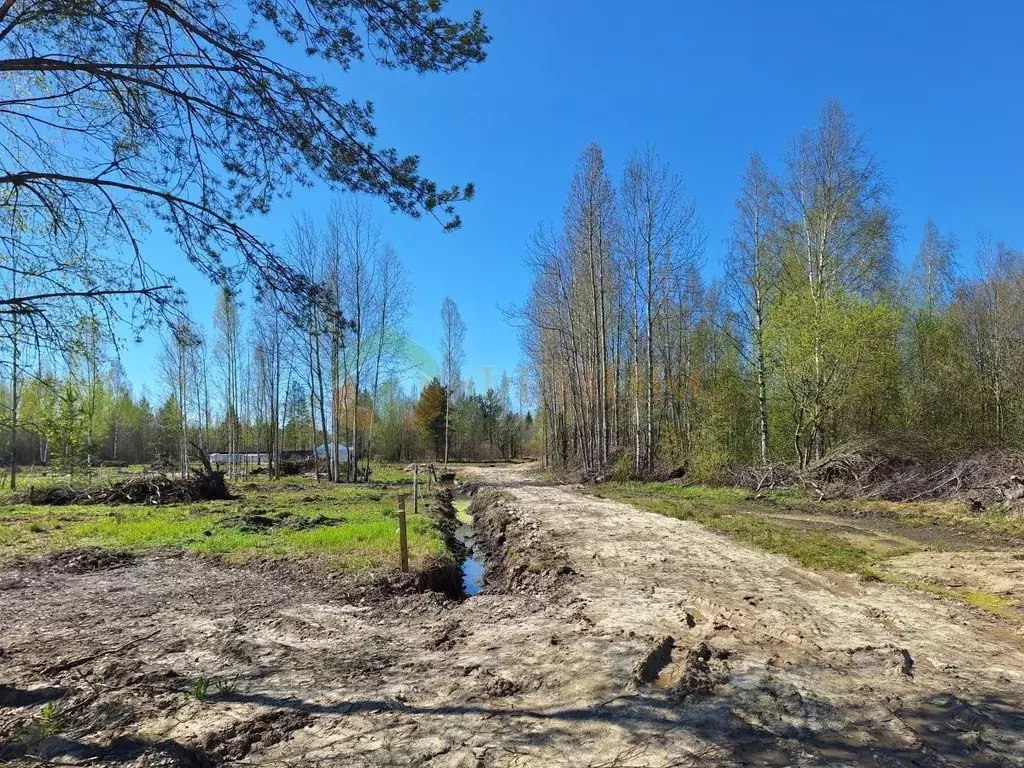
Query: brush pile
[(144, 489), (901, 473)]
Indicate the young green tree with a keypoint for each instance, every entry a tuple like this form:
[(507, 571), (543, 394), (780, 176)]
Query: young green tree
[(432, 413), (841, 239), (833, 357)]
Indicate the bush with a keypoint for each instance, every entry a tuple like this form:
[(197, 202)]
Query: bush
[(622, 469)]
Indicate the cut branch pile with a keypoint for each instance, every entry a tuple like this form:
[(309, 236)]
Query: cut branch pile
[(876, 472), (761, 477), (983, 479), (145, 489)]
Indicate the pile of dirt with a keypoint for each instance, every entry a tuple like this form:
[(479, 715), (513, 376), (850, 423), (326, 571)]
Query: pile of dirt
[(518, 557), (297, 466), (161, 465), (87, 560), (260, 522), (239, 739), (705, 669), (144, 489), (76, 561)]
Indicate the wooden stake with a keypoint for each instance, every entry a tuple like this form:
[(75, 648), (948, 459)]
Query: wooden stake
[(416, 490), (403, 540)]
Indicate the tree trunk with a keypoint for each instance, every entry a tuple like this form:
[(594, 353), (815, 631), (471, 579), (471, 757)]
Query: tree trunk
[(762, 391), (14, 401)]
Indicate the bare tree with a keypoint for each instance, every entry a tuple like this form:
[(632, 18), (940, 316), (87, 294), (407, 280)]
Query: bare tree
[(267, 346), (933, 274), (178, 371), (590, 233), (390, 313), (359, 238), (453, 337), (227, 321), (994, 307), (661, 238), (306, 246)]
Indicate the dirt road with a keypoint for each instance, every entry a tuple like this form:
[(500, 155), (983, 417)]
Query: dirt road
[(605, 636)]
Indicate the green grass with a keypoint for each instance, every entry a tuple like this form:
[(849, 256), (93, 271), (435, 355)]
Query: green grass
[(349, 527), (462, 511), (985, 601), (381, 472), (950, 514)]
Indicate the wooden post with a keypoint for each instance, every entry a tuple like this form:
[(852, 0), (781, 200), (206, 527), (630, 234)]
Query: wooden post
[(416, 490), (403, 540)]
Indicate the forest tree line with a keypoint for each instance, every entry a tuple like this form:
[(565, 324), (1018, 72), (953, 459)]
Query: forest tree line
[(328, 367), (813, 337)]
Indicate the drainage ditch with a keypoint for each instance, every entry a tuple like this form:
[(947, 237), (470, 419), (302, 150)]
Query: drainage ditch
[(473, 565)]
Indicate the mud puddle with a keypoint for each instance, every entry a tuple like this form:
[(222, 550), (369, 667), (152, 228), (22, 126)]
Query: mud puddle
[(473, 565)]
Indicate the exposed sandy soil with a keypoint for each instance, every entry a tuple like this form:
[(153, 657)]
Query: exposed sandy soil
[(605, 636), (997, 573)]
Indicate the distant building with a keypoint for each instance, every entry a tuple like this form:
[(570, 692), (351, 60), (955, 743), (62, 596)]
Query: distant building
[(239, 459), (324, 451)]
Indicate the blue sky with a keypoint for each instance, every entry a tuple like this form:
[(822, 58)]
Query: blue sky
[(937, 85)]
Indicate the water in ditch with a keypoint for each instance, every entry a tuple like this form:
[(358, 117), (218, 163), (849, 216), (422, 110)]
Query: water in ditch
[(473, 565)]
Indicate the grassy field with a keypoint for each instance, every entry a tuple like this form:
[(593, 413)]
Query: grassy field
[(349, 527), (772, 523)]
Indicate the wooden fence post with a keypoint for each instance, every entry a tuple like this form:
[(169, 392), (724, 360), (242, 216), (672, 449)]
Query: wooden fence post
[(416, 490), (403, 540)]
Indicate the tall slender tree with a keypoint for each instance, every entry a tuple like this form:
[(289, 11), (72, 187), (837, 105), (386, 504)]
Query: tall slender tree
[(453, 337), (661, 238), (752, 270)]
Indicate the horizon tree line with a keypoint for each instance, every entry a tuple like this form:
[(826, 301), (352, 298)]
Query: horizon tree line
[(279, 381), (813, 337)]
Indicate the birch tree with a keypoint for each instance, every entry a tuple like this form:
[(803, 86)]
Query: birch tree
[(590, 233), (752, 271), (453, 337), (841, 227), (227, 322), (390, 314)]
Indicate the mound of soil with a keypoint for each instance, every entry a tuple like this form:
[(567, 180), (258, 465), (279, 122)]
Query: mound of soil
[(518, 557), (145, 489), (258, 522), (704, 671), (239, 739), (86, 560)]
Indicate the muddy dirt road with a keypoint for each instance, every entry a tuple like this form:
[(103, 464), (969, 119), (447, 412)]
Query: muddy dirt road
[(604, 636)]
